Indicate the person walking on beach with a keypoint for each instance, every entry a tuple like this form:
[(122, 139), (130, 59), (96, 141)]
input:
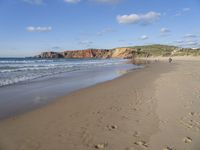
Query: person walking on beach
[(170, 60)]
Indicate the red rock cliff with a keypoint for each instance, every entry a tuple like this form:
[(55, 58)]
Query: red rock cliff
[(90, 53)]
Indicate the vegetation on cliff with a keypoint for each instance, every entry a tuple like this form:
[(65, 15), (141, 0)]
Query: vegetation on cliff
[(125, 52), (160, 50)]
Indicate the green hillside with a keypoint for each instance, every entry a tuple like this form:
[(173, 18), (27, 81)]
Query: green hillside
[(163, 50)]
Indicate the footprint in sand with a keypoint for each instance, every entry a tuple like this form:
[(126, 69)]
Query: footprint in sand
[(96, 112), (112, 127), (141, 144), (192, 113), (135, 109), (190, 123), (187, 140), (100, 146), (168, 148)]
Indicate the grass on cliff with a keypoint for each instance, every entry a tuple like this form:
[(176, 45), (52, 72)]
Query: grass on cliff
[(163, 50)]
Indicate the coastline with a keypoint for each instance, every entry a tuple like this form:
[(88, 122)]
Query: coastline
[(28, 95), (125, 113)]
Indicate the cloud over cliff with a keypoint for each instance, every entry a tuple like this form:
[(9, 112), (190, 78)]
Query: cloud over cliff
[(147, 18)]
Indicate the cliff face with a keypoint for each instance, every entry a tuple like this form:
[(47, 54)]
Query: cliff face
[(124, 52), (50, 55), (87, 54), (90, 53)]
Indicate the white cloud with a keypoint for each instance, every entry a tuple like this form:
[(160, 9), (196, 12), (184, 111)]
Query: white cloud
[(38, 29), (144, 37), (147, 18), (37, 2), (164, 30), (72, 1), (190, 36)]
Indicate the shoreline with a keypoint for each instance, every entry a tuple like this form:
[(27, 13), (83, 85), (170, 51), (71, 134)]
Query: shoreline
[(129, 112), (35, 94), (97, 104)]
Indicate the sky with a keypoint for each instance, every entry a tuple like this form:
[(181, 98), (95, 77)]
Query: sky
[(28, 27)]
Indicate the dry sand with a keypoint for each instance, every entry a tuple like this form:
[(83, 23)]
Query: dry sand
[(155, 108)]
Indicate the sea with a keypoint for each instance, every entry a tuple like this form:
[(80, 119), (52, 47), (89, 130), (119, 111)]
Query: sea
[(29, 83)]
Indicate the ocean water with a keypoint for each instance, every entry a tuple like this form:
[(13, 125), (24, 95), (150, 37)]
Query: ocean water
[(26, 84), (15, 70)]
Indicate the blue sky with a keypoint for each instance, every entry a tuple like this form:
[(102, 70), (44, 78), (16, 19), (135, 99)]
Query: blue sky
[(28, 27)]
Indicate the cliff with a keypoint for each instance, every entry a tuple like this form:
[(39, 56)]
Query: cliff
[(50, 55), (89, 53), (154, 51), (124, 52)]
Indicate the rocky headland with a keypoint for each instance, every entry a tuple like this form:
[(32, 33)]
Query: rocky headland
[(124, 52), (89, 53)]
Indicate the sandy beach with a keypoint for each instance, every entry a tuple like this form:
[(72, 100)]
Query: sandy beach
[(155, 108)]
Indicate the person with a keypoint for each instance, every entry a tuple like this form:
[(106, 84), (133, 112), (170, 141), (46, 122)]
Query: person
[(170, 60)]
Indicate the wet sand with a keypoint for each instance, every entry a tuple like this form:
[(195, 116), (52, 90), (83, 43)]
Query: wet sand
[(154, 108), (26, 96)]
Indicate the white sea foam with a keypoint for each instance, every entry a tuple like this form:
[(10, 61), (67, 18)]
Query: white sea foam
[(18, 70)]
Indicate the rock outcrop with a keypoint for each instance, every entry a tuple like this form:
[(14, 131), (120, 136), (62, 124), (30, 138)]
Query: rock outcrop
[(125, 52), (50, 55), (90, 53)]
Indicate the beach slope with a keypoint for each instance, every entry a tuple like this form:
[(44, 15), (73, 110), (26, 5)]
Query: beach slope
[(152, 108)]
